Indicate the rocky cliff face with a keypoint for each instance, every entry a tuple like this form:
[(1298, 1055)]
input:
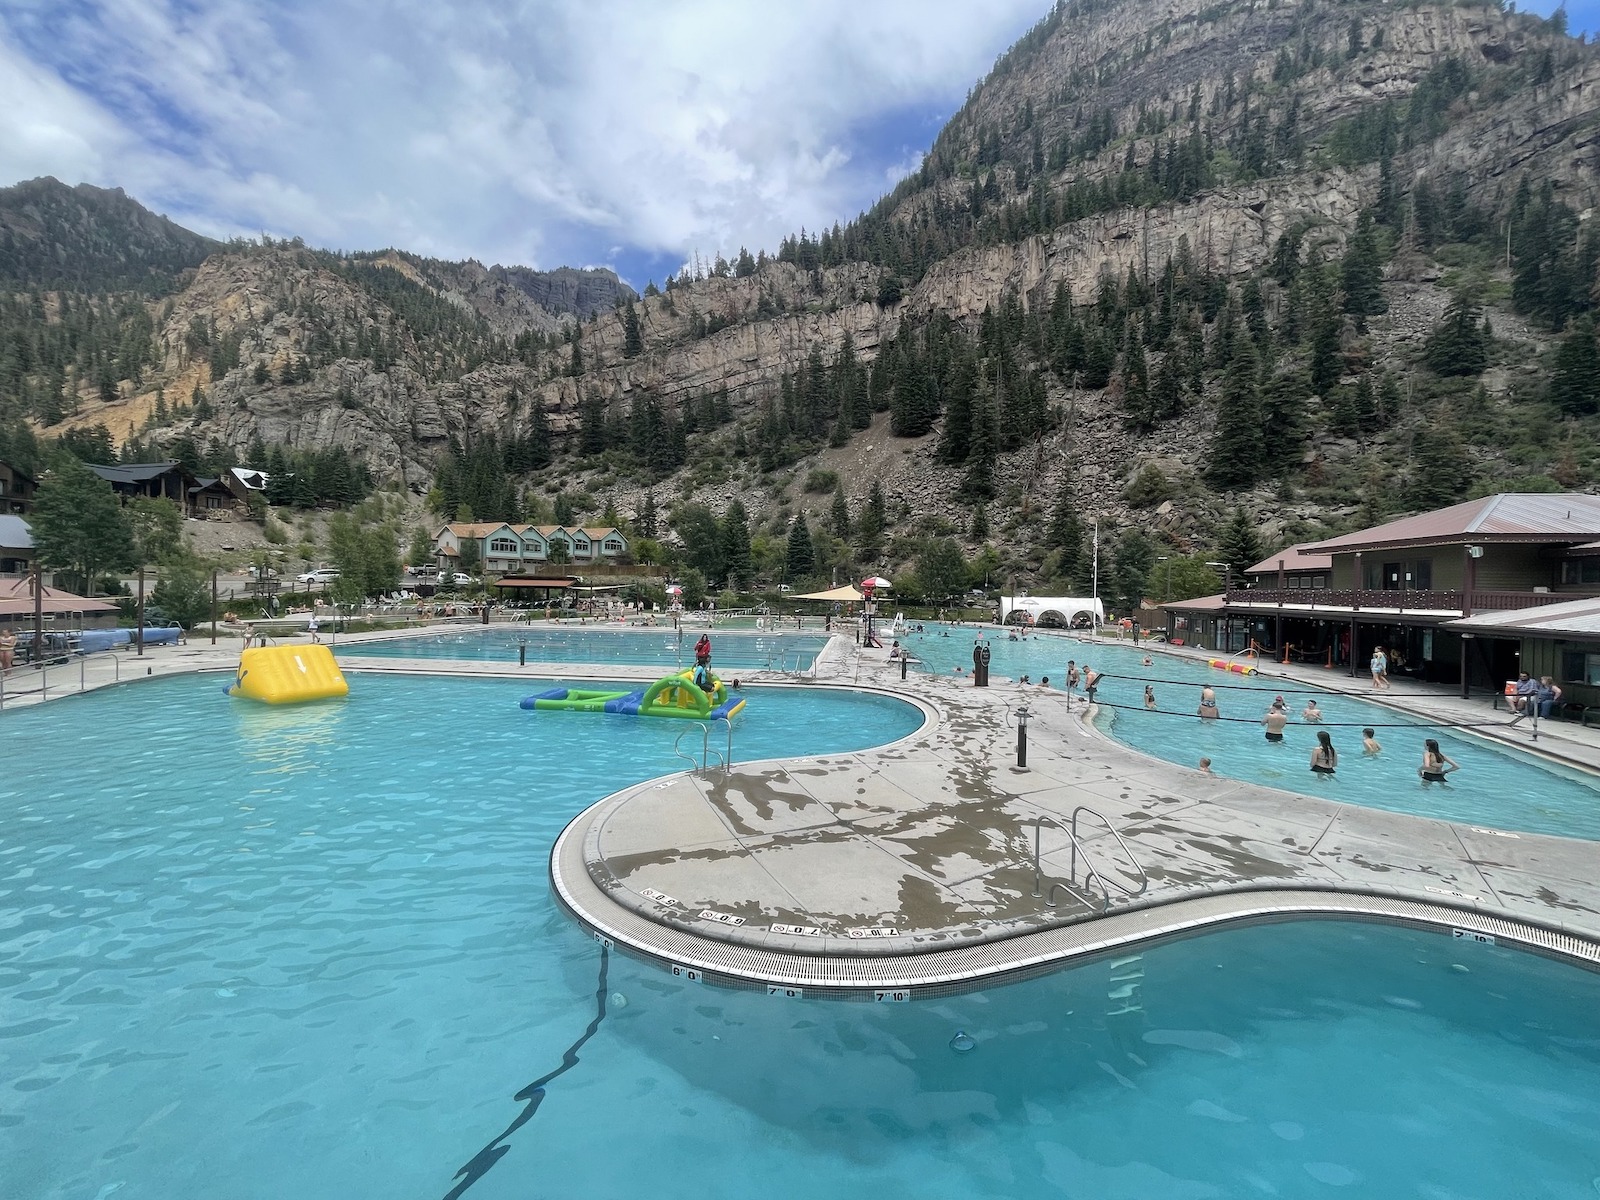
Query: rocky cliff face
[(1304, 113)]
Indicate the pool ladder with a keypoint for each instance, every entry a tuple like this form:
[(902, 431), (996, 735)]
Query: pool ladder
[(1092, 875), (724, 759)]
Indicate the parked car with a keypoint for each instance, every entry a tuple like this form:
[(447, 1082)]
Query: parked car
[(425, 570), (462, 579), (320, 575), (261, 572)]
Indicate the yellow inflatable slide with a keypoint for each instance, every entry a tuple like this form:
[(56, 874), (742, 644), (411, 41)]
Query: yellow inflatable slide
[(288, 675)]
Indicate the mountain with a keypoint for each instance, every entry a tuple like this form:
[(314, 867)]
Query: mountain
[(1312, 264), (90, 239)]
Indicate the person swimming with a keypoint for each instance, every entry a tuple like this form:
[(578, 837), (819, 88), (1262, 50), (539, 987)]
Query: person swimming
[(1311, 712), (1369, 741), (1205, 766), (1324, 758), (1149, 696), (1208, 704)]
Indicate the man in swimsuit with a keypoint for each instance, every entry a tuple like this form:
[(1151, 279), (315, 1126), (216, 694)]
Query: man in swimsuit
[(1275, 720), (1091, 680), (1311, 713), (1369, 741), (1072, 680)]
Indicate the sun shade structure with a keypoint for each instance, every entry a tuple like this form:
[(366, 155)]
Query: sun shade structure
[(1051, 610), (16, 599), (839, 593)]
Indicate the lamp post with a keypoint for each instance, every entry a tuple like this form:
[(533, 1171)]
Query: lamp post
[(213, 606), (1166, 577)]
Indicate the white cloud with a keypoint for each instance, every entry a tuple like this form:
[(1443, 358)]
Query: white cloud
[(533, 133)]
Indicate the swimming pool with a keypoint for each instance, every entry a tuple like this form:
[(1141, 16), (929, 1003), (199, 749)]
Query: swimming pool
[(1494, 787), (665, 648), (250, 952)]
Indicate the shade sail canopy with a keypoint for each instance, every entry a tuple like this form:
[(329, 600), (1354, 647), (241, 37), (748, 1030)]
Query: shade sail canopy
[(839, 593)]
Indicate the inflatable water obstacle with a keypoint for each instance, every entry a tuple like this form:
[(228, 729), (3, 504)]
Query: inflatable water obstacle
[(288, 675), (675, 696)]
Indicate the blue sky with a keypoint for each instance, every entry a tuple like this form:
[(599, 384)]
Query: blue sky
[(629, 134), (550, 132)]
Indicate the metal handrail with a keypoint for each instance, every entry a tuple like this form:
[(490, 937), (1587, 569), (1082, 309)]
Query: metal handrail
[(704, 741), (1144, 879), (1092, 874)]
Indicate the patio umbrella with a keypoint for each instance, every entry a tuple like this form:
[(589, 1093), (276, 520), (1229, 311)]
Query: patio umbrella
[(674, 590), (876, 581)]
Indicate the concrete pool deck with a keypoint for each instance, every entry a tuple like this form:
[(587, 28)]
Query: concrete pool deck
[(908, 869)]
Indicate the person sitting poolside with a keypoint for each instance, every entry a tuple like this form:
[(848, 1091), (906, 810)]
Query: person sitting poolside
[(1311, 712)]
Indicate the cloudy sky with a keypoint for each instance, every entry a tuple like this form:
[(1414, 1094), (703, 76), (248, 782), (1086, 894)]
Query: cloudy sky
[(628, 133)]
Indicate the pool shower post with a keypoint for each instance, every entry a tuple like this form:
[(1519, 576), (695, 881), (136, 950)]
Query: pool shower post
[(213, 606), (139, 633), (1022, 736)]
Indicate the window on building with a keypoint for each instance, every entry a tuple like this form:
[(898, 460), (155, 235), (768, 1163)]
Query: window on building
[(1580, 666), (1580, 571), (613, 546), (504, 547), (1405, 575)]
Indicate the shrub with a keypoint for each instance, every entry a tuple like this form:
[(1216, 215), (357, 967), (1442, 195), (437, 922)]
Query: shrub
[(821, 481)]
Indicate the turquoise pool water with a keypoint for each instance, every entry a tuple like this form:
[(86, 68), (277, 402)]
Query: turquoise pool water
[(253, 953), (741, 651), (1496, 788)]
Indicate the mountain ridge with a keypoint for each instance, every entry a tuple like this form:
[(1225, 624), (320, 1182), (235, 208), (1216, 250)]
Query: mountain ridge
[(1150, 224)]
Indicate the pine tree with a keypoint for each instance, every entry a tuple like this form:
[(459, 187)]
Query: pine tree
[(839, 514), (1362, 274), (632, 341), (1064, 535), (1459, 345), (1575, 376), (1238, 545), (646, 520), (798, 556), (1237, 454), (1442, 472), (736, 557), (870, 523)]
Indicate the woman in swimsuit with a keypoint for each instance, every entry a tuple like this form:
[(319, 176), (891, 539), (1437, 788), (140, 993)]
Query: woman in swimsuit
[(1208, 704), (1324, 758), (1435, 763), (1149, 696)]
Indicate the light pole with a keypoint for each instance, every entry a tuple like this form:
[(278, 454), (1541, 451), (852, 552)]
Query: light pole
[(1166, 577)]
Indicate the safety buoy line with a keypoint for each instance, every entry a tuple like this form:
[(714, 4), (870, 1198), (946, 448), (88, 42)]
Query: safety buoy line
[(1168, 712), (1309, 688)]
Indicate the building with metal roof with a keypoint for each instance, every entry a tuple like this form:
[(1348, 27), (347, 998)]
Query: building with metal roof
[(1406, 585)]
